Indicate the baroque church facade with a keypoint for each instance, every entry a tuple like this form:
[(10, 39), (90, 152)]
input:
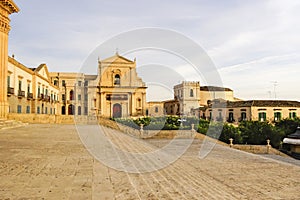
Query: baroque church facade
[(116, 91)]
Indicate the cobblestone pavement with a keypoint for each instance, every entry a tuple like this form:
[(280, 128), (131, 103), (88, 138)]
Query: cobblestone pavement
[(50, 162)]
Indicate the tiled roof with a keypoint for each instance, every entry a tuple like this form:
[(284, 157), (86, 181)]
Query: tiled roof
[(258, 103), (214, 88)]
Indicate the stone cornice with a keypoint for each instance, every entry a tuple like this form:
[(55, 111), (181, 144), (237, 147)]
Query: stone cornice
[(10, 6), (7, 7), (4, 27), (19, 65)]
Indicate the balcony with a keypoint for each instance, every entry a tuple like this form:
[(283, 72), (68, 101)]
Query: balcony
[(10, 91), (29, 96), (47, 98), (40, 97), (70, 101), (21, 94)]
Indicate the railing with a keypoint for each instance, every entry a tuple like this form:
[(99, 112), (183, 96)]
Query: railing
[(10, 90), (40, 97), (47, 98), (29, 96), (21, 93), (70, 101)]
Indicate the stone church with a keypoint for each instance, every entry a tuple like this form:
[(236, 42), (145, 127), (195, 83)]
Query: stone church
[(121, 92), (116, 91)]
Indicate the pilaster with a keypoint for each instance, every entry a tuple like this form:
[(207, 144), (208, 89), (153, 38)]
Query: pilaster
[(7, 7)]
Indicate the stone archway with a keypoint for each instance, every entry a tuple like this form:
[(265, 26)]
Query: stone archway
[(117, 111), (71, 109)]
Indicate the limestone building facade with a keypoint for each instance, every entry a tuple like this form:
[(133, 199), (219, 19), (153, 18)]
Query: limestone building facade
[(30, 90), (253, 110), (121, 92), (192, 99), (116, 91)]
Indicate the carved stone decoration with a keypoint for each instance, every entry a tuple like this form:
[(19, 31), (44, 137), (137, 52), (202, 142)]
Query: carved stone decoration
[(7, 7)]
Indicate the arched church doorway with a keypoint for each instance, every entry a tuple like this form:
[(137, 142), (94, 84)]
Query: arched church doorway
[(117, 111), (71, 109), (63, 110)]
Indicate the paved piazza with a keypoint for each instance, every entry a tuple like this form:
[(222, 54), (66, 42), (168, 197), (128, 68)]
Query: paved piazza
[(50, 162)]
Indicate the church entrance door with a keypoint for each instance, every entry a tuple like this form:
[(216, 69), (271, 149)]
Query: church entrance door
[(117, 111)]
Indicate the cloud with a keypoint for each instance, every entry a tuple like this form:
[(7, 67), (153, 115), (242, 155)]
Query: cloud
[(251, 42), (255, 79)]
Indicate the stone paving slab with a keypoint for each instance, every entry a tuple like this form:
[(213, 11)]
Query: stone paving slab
[(50, 162)]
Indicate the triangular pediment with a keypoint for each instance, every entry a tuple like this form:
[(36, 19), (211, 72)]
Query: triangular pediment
[(117, 59), (42, 70)]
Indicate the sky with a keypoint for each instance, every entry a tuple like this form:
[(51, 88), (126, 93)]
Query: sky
[(254, 45)]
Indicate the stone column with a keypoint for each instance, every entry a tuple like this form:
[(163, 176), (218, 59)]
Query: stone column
[(7, 7)]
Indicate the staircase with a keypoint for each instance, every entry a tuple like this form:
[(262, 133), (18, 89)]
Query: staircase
[(6, 124)]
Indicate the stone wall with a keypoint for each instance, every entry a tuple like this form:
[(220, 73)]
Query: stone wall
[(42, 118), (258, 149)]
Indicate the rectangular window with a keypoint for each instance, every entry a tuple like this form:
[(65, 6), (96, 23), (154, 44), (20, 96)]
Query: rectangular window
[(38, 110), (262, 116), (243, 116), (231, 117), (19, 109), (293, 115), (156, 109), (63, 83), (191, 93), (277, 116), (27, 109), (79, 97), (55, 82), (79, 83), (20, 85), (28, 88), (39, 91), (63, 97), (85, 110), (46, 110), (50, 111), (8, 81), (86, 97), (86, 83)]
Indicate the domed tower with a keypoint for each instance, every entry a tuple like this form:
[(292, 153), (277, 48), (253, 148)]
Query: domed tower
[(7, 7)]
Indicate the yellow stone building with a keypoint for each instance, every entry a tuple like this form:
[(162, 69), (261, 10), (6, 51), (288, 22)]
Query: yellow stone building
[(121, 92), (252, 110), (116, 91), (192, 99), (29, 90)]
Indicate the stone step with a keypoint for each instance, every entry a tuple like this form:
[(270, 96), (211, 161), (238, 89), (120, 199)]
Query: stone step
[(7, 124)]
